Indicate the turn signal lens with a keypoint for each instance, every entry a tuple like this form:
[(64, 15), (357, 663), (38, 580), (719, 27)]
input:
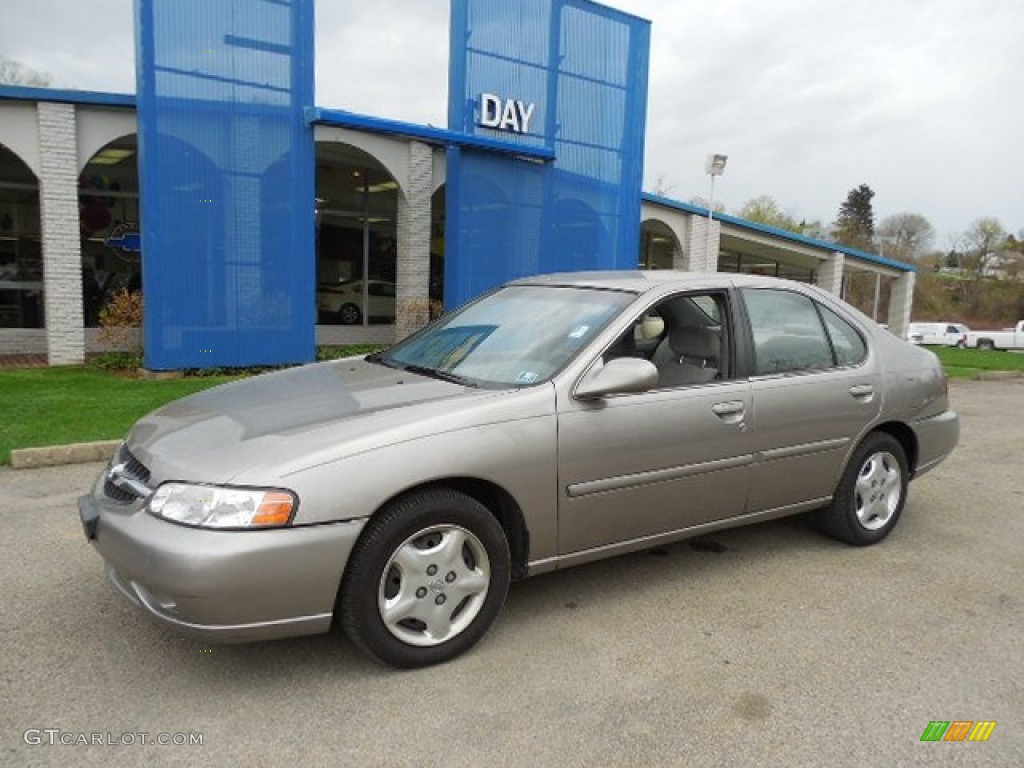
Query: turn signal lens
[(275, 509)]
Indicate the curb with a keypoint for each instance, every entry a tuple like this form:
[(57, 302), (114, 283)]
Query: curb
[(56, 455), (998, 375)]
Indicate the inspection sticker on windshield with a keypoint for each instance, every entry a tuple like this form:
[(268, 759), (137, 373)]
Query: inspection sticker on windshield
[(579, 332), (526, 377)]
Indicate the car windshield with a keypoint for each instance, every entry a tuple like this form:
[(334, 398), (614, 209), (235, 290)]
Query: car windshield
[(518, 336)]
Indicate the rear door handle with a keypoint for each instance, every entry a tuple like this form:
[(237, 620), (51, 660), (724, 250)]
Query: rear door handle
[(864, 392)]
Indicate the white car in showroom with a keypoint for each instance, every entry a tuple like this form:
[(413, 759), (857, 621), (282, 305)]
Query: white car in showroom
[(344, 302)]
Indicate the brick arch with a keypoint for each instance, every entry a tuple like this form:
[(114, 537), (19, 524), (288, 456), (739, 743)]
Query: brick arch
[(660, 247)]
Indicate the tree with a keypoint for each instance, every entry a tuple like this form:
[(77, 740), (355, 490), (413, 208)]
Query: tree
[(662, 188), (718, 207), (979, 244), (764, 210), (855, 225), (1013, 257), (1012, 265), (14, 73), (814, 228), (906, 236)]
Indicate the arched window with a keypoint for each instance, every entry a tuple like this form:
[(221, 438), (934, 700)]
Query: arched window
[(658, 246), (108, 215), (21, 259), (356, 237)]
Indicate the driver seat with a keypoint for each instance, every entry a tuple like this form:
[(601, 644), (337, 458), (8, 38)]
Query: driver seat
[(688, 355)]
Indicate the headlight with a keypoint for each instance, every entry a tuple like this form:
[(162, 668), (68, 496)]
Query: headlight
[(212, 506)]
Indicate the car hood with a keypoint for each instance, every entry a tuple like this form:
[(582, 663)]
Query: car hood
[(270, 425)]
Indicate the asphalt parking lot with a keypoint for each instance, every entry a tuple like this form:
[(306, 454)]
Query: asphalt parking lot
[(765, 646)]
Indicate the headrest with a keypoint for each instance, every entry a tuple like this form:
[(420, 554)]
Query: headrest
[(689, 341), (651, 327)]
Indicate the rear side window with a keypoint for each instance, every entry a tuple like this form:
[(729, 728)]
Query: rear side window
[(790, 335), (847, 344)]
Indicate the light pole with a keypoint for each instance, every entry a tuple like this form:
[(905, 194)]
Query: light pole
[(878, 275), (714, 166)]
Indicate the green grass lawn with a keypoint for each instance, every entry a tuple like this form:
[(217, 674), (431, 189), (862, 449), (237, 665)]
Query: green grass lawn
[(54, 406), (965, 363)]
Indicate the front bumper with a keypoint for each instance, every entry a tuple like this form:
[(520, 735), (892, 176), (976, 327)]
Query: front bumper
[(225, 586)]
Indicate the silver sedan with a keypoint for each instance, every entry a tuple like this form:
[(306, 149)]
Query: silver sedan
[(558, 420)]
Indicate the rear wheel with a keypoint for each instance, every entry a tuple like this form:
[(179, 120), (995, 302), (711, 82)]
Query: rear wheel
[(426, 580), (871, 494), (350, 314), (986, 344)]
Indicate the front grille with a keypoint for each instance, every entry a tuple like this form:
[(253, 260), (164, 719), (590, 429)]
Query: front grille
[(116, 494), (125, 465)]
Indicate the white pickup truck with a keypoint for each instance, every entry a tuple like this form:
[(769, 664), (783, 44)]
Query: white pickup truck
[(1008, 338)]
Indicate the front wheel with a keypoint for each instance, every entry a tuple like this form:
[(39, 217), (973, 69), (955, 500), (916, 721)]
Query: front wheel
[(871, 494), (426, 580)]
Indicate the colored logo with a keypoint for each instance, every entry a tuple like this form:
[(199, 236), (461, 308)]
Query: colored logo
[(958, 730)]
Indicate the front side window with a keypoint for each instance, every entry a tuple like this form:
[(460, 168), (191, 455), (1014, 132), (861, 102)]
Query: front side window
[(788, 333), (684, 337), (518, 336)]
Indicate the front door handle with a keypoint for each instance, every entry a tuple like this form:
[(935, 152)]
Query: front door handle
[(728, 408), (730, 411)]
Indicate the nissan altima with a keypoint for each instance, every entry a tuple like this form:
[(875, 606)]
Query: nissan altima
[(557, 420)]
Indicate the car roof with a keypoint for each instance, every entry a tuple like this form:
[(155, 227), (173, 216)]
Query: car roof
[(643, 281)]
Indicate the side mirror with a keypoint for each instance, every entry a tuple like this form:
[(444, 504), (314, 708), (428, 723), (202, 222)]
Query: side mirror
[(618, 376)]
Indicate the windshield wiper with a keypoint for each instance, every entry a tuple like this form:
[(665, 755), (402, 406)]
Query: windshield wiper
[(420, 370), (434, 373)]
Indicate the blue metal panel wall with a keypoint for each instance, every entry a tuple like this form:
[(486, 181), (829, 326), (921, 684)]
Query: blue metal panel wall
[(227, 177), (584, 67)]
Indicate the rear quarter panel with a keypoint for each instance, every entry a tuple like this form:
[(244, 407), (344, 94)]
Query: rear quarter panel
[(917, 396)]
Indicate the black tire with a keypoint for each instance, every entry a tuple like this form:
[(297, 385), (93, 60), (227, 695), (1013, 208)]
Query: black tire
[(443, 598), (870, 496), (986, 344)]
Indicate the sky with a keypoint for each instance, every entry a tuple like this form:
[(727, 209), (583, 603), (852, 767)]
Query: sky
[(922, 100)]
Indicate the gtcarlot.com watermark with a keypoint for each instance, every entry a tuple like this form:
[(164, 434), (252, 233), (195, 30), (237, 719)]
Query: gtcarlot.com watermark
[(55, 737)]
